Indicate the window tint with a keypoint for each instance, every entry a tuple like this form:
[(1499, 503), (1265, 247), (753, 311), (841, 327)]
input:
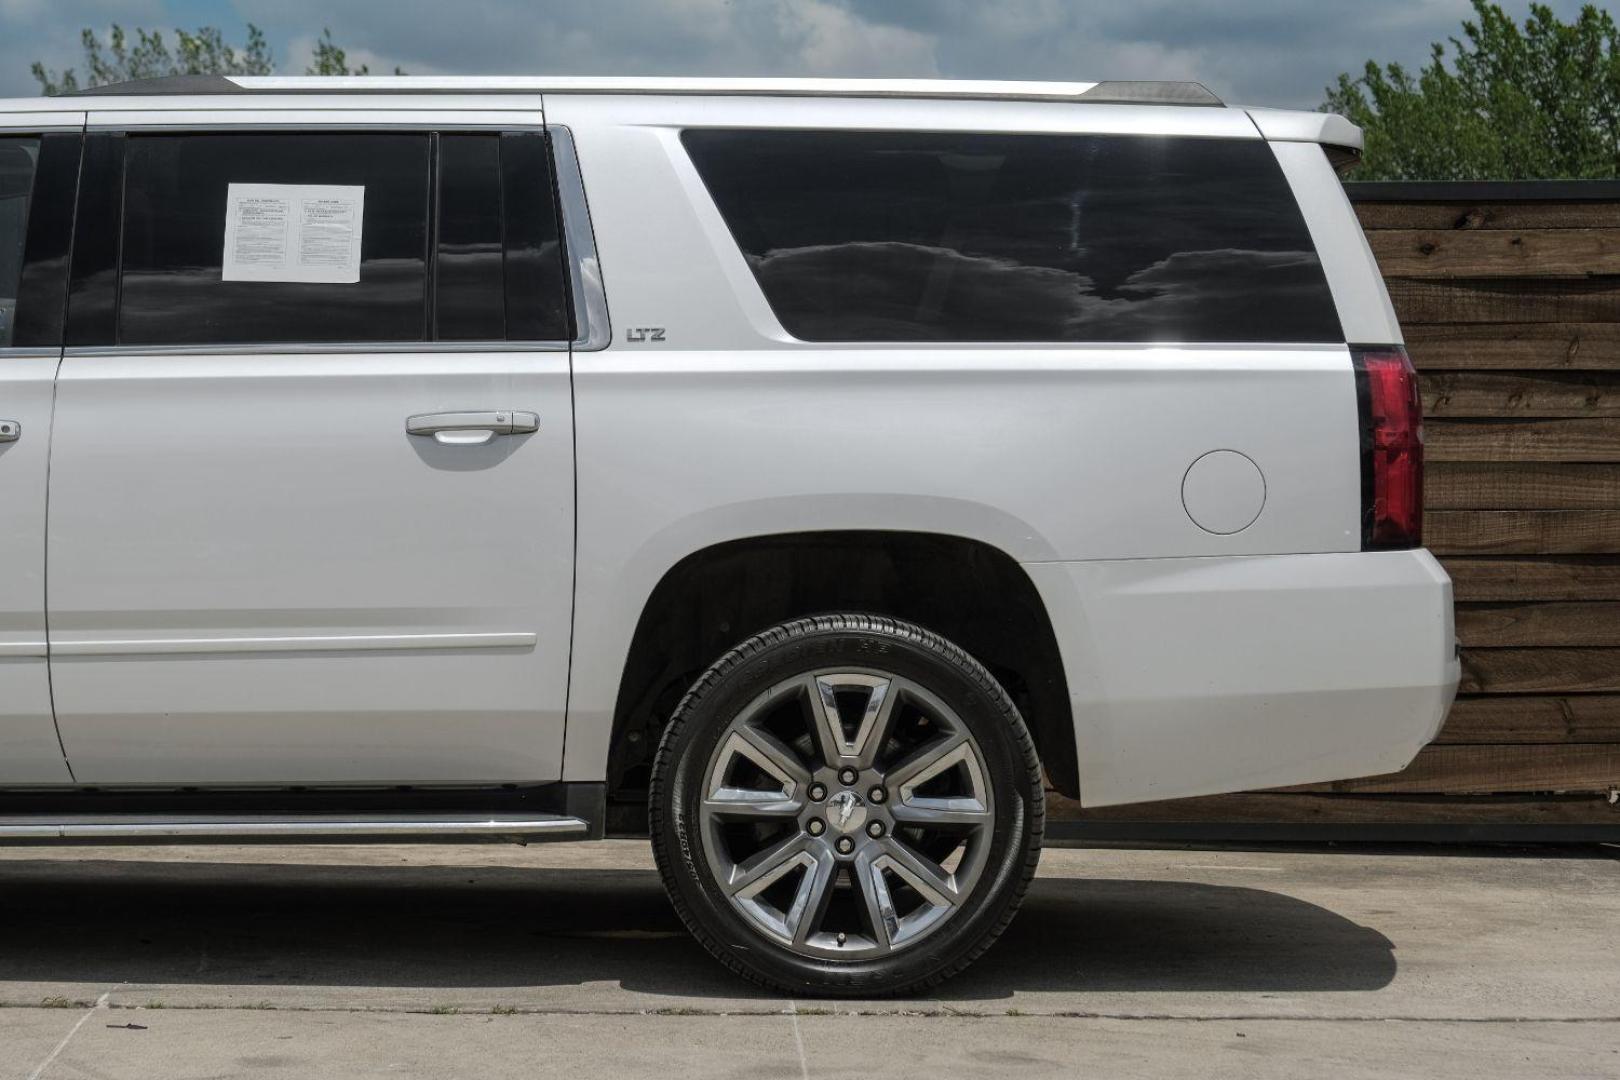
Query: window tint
[(18, 158), (42, 283), (459, 240), (861, 236), (175, 191), (93, 281), (498, 272), (536, 287), (469, 282)]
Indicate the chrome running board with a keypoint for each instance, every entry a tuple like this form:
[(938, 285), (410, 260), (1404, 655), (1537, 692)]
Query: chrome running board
[(288, 828)]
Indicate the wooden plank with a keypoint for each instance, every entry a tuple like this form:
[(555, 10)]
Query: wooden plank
[(1505, 300), (1492, 394), (1571, 577), (1516, 215), (1561, 439), (1524, 718), (1325, 809), (1522, 532), (1476, 253), (1466, 485), (1509, 625), (1496, 768), (1568, 346), (1540, 671)]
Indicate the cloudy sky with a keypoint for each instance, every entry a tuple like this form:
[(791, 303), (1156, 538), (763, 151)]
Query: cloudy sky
[(1271, 52)]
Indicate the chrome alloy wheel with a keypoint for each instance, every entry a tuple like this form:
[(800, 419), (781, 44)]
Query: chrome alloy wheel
[(846, 814)]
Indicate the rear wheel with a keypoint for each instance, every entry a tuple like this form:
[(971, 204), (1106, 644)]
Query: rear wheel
[(846, 805)]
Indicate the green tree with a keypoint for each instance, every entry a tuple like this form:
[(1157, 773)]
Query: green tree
[(203, 51), (1508, 103)]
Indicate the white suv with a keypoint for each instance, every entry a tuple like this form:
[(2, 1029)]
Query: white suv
[(811, 471)]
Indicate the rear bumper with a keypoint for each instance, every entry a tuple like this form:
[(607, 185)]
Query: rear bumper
[(1208, 675)]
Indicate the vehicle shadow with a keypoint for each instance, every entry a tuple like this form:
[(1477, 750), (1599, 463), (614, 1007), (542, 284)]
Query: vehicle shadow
[(279, 925)]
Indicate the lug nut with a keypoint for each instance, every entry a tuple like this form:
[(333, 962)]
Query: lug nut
[(816, 827), (848, 776), (874, 829), (845, 845), (877, 794), (818, 792)]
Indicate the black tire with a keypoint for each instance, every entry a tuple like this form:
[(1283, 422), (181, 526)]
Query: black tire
[(801, 649)]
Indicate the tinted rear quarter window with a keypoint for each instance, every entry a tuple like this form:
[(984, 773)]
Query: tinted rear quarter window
[(867, 236)]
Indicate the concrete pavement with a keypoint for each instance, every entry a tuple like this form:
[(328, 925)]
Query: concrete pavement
[(495, 961)]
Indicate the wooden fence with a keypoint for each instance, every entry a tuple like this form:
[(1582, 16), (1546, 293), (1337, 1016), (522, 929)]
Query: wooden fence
[(1509, 295)]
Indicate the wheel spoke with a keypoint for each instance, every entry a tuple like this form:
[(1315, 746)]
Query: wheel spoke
[(762, 869), (772, 755), (927, 762), (923, 874), (810, 901), (870, 733), (748, 803), (874, 890), (955, 811), (967, 808)]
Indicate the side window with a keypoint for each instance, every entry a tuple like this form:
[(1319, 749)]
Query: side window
[(247, 238), (868, 236), (172, 289), (469, 298), (498, 272), (18, 157)]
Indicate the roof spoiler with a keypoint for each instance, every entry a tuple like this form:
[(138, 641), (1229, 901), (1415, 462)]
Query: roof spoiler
[(1341, 140), (1151, 93), (1329, 129)]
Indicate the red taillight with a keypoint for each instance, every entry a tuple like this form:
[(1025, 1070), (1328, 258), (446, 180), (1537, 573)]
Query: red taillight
[(1391, 448)]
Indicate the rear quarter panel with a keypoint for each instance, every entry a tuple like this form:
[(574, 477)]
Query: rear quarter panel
[(728, 428)]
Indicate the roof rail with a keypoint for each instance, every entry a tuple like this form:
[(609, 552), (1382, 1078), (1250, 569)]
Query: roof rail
[(166, 84), (1111, 93)]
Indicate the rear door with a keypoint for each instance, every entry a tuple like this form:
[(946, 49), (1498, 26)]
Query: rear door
[(311, 510), (39, 162)]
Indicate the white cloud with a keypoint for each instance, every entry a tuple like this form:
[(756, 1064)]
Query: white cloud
[(833, 41)]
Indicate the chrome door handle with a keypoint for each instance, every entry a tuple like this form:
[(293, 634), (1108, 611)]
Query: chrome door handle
[(10, 431), (471, 428)]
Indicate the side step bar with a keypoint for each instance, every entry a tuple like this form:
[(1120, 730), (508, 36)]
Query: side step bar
[(289, 828)]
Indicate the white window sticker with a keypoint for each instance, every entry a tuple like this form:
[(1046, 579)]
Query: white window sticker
[(293, 232)]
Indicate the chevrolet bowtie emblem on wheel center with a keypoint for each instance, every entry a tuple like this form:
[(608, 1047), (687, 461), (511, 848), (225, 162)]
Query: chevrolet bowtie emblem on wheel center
[(846, 812)]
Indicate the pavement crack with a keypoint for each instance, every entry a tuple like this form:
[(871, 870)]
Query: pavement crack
[(39, 1070), (798, 1040)]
